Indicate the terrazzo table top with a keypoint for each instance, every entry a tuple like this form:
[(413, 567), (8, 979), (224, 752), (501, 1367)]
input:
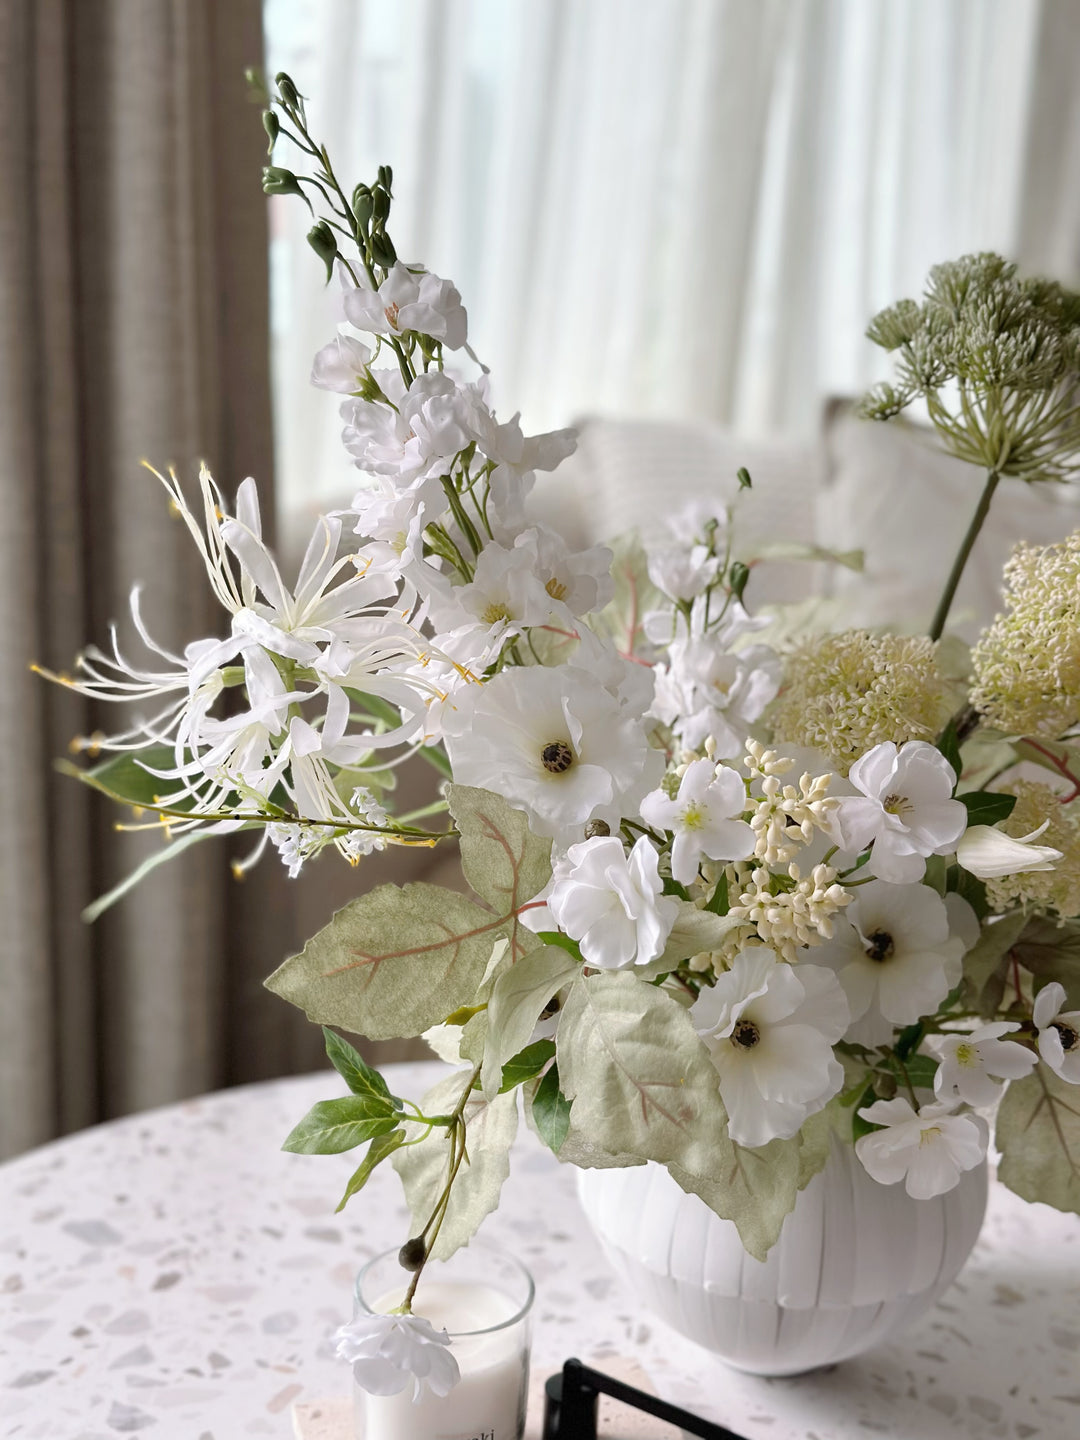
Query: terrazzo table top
[(176, 1276)]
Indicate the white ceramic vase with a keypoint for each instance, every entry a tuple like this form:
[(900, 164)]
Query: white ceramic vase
[(855, 1262)]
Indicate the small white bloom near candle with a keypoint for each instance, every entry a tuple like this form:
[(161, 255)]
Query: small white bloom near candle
[(488, 1402)]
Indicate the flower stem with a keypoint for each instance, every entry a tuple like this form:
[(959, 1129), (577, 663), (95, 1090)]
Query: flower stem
[(981, 511)]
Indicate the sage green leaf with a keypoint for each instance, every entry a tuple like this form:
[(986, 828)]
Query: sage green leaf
[(158, 857), (379, 1149), (123, 778), (551, 1111), (622, 620), (794, 550), (694, 931), (490, 1130), (503, 861), (640, 1079), (987, 954), (394, 962), (1052, 952), (576, 1148), (756, 1189), (1038, 1134), (817, 1136), (360, 1077), (517, 1001), (526, 1064), (474, 1037), (332, 1126)]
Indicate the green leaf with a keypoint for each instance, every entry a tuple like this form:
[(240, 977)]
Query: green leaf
[(360, 1077), (1038, 1134), (551, 1111), (122, 777), (526, 1064), (556, 937), (949, 745), (986, 808), (159, 857), (694, 931), (503, 861), (490, 1130), (794, 550), (987, 954), (1052, 952), (756, 1189), (718, 901), (332, 1126), (379, 1149), (622, 620), (519, 998), (959, 881)]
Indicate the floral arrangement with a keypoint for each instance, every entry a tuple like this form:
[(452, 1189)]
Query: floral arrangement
[(737, 889)]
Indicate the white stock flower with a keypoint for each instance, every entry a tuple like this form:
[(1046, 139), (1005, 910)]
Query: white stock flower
[(905, 809), (770, 1028), (988, 853), (682, 571), (928, 1151), (704, 818), (1059, 1032), (705, 690), (973, 1064), (554, 743), (341, 365), (390, 1352), (393, 520), (419, 433), (612, 903), (410, 298), (894, 955), (579, 579)]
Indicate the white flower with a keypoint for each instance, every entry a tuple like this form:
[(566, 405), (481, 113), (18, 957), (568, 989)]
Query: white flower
[(770, 1028), (682, 571), (418, 433), (1059, 1032), (703, 817), (928, 1150), (387, 1352), (505, 590), (409, 299), (705, 690), (894, 956), (612, 903), (341, 365), (555, 743), (970, 1061), (905, 810), (579, 579), (988, 853)]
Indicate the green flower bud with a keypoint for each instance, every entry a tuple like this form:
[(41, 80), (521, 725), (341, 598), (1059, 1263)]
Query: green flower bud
[(382, 250), (272, 126), (381, 199), (287, 90), (413, 1253), (738, 575), (323, 241), (743, 477), (884, 1086), (277, 181), (363, 203), (386, 177), (595, 828)]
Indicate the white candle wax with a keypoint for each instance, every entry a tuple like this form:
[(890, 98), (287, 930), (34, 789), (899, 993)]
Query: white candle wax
[(488, 1402)]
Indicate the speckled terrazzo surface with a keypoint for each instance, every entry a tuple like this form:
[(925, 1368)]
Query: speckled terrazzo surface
[(175, 1275)]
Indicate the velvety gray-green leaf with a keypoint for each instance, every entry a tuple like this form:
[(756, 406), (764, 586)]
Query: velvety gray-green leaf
[(332, 1126), (984, 957), (517, 1000), (756, 1189), (1052, 952), (694, 931), (503, 861), (1038, 1134)]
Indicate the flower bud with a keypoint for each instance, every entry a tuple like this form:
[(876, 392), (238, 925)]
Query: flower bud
[(287, 90), (386, 177), (321, 239), (272, 126), (363, 203), (381, 206), (382, 250), (277, 181), (743, 477), (885, 1086), (595, 828), (413, 1253), (738, 575)]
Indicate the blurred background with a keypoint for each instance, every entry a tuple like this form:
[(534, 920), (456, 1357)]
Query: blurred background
[(670, 221)]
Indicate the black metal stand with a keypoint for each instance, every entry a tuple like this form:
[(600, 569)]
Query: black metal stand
[(571, 1399)]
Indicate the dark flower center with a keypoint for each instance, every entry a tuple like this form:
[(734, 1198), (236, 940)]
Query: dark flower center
[(879, 945), (556, 757), (1069, 1038), (746, 1034)]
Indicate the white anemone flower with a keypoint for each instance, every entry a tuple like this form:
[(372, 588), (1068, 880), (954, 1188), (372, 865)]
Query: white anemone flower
[(554, 743), (704, 818), (989, 854), (1059, 1032), (612, 903), (895, 957), (928, 1151), (770, 1028), (905, 809), (390, 1352), (974, 1064), (410, 298)]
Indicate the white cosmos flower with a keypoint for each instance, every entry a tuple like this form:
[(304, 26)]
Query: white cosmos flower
[(770, 1028), (894, 955), (341, 365), (410, 298), (973, 1064), (706, 690), (905, 809), (704, 818), (611, 903), (554, 743), (1059, 1032), (988, 853), (928, 1151), (390, 1352)]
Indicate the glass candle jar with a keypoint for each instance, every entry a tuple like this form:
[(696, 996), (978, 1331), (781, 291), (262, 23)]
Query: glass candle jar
[(483, 1298)]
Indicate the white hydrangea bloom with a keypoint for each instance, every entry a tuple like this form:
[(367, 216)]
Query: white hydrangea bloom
[(770, 1028), (612, 903), (1059, 1032), (389, 1352), (928, 1151), (704, 818), (973, 1064)]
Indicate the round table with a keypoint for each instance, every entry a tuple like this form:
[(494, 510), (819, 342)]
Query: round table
[(175, 1274)]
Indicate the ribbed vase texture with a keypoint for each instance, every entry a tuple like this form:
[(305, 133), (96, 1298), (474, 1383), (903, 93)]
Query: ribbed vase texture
[(855, 1262)]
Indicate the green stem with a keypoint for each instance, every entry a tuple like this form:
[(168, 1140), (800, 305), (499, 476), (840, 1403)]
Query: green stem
[(435, 1220), (981, 512)]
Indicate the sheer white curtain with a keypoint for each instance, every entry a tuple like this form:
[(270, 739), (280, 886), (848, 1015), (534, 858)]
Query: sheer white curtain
[(675, 207)]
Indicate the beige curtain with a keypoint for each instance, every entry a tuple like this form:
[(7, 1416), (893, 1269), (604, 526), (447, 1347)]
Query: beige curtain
[(133, 322)]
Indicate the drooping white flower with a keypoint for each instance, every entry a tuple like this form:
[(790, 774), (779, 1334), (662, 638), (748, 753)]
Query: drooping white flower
[(554, 743), (1059, 1032), (682, 571), (706, 690), (341, 365), (894, 956), (612, 903), (410, 298), (905, 809), (988, 853), (390, 1352), (928, 1151), (770, 1028), (704, 818), (973, 1064)]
